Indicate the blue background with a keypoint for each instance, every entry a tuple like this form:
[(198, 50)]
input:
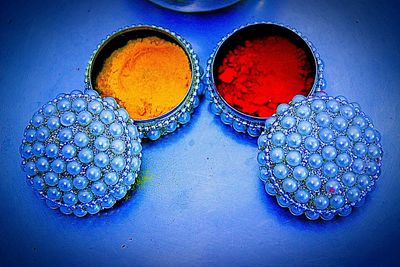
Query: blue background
[(201, 201)]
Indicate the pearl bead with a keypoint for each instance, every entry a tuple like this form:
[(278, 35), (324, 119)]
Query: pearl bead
[(363, 182), (53, 123), (337, 201), (26, 151), (85, 155), (293, 158), (318, 106), (68, 151), (304, 128), (78, 105), (374, 151), (282, 108), (38, 149), (303, 111), (118, 164), (95, 107), (80, 182), (321, 202), (81, 139), (354, 133), (347, 112), (51, 150), (65, 135), (85, 196), (330, 169), (129, 179), (51, 178), (300, 173), (360, 149), (107, 116), (342, 143), (84, 118), (369, 135), (333, 106), (135, 164), (93, 208), (311, 144), (58, 166), (371, 168), (96, 128), (73, 168), (119, 192), (49, 110), (136, 147), (313, 183), (30, 135), (315, 161), (65, 184), (278, 139), (111, 101), (294, 140), (343, 160), (30, 168), (353, 194), (37, 120), (64, 105), (329, 153), (116, 129), (289, 185), (288, 122), (326, 135), (118, 146), (302, 196), (42, 164), (133, 131), (323, 119), (360, 122), (70, 199), (101, 143), (349, 179), (339, 124), (111, 178), (93, 173), (332, 186), (38, 183), (53, 193), (99, 188), (101, 160), (42, 134), (280, 171), (358, 166), (67, 119)]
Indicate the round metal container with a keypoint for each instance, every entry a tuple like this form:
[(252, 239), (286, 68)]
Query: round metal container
[(167, 123), (240, 121)]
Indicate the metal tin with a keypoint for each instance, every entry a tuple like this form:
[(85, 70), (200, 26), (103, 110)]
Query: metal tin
[(241, 122), (320, 156), (167, 123), (81, 153)]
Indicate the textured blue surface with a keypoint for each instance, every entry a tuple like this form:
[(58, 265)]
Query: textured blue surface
[(201, 202)]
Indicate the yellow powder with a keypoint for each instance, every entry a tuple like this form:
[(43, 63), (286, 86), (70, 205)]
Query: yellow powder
[(148, 77)]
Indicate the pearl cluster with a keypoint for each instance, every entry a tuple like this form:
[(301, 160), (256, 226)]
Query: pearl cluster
[(239, 121), (81, 153), (319, 156), (153, 129)]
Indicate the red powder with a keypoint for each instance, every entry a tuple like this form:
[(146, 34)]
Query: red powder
[(256, 77)]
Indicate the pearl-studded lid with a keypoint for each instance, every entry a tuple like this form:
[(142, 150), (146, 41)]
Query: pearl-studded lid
[(81, 153), (319, 156)]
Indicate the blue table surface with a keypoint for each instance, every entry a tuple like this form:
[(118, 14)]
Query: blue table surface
[(201, 202)]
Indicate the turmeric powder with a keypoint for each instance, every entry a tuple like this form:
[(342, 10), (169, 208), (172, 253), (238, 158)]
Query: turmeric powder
[(148, 77)]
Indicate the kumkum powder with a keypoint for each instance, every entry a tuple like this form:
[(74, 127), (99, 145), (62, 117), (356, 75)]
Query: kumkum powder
[(257, 76), (148, 77)]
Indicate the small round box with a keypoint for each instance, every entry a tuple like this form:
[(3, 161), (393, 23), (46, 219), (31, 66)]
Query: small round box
[(229, 115), (167, 123)]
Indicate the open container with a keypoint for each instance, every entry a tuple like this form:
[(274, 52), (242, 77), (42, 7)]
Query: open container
[(180, 114), (241, 121), (81, 152)]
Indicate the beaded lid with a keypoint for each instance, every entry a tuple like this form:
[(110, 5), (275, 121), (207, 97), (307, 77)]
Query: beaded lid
[(81, 153), (319, 156)]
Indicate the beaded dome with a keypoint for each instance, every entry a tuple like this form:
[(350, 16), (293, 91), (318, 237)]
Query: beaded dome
[(319, 156), (81, 153)]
